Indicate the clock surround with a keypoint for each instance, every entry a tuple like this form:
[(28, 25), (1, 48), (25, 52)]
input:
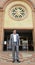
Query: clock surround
[(18, 12)]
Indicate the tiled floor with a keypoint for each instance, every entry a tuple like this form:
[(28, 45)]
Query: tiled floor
[(26, 58)]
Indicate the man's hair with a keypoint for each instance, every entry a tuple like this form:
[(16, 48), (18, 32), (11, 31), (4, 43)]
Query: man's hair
[(14, 29)]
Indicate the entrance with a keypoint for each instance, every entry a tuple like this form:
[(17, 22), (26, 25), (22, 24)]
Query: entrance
[(25, 42)]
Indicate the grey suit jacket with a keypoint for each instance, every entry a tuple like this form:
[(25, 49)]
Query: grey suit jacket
[(12, 39)]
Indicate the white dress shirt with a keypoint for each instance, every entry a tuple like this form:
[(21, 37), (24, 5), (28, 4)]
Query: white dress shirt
[(14, 36)]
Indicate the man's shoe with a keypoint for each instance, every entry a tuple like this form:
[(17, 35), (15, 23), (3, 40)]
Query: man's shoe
[(13, 61), (18, 61)]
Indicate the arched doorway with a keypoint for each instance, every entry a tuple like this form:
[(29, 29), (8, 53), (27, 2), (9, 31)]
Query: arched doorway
[(17, 17)]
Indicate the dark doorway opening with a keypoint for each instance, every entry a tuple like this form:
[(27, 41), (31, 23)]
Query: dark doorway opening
[(25, 35)]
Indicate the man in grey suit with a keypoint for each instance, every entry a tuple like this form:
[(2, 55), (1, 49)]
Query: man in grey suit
[(14, 39)]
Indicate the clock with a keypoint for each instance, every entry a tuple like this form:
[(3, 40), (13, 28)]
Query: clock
[(18, 12)]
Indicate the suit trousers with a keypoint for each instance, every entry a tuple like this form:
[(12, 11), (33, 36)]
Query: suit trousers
[(15, 51)]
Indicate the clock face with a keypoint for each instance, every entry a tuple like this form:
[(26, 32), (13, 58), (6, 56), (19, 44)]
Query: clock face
[(18, 12)]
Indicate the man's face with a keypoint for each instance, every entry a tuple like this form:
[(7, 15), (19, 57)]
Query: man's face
[(14, 31)]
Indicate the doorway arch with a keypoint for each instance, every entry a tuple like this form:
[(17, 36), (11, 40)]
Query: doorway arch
[(25, 24)]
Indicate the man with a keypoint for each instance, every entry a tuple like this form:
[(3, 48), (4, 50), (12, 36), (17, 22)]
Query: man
[(14, 38)]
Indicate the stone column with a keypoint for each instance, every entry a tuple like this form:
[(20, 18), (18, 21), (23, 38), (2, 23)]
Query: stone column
[(1, 29), (34, 28)]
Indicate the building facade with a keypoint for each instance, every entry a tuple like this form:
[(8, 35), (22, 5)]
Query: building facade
[(19, 15)]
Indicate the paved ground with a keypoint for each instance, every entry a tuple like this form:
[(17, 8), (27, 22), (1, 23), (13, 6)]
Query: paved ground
[(26, 58)]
